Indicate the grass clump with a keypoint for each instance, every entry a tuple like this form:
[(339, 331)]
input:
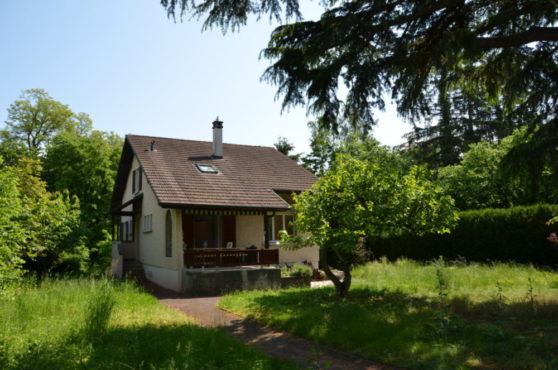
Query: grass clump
[(101, 324), (436, 316)]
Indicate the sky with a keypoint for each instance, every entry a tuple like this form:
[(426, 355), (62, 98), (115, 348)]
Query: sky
[(133, 70)]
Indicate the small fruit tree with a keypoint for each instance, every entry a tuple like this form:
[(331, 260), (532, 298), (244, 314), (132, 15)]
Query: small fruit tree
[(362, 197)]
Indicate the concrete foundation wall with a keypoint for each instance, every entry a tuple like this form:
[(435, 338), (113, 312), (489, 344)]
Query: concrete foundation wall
[(166, 278), (213, 282)]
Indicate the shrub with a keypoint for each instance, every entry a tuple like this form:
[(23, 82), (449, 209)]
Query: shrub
[(296, 271), (515, 234)]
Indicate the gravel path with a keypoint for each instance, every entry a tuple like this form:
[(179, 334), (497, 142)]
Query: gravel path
[(277, 344)]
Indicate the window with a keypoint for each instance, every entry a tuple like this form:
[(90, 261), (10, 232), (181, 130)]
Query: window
[(147, 223), (206, 168), (127, 231), (168, 235), (136, 180), (281, 223)]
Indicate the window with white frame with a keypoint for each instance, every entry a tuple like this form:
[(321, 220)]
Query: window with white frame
[(147, 223), (280, 224)]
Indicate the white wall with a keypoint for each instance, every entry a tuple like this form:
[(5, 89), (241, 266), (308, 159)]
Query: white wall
[(163, 270), (249, 231)]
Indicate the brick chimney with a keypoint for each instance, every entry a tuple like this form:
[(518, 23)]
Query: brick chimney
[(217, 138)]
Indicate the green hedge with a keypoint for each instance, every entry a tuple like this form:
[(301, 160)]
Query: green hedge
[(514, 234)]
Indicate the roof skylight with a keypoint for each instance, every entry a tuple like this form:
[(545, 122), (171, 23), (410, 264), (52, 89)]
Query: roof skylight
[(206, 168)]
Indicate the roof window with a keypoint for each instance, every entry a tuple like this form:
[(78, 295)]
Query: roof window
[(206, 168)]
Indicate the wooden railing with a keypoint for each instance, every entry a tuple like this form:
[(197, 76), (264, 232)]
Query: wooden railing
[(230, 257)]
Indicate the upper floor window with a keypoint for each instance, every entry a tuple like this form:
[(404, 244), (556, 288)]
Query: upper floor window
[(136, 180), (147, 223)]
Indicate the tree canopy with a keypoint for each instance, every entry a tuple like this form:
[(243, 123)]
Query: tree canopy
[(369, 192)]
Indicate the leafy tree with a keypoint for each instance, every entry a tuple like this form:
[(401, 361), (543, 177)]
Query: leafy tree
[(12, 234), (402, 47), (84, 163), (366, 194), (34, 118), (53, 239), (478, 181), (326, 143), (284, 146)]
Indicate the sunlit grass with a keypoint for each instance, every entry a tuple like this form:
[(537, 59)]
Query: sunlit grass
[(433, 316), (61, 324)]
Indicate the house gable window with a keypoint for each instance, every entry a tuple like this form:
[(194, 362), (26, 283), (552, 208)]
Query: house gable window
[(136, 180), (168, 234), (147, 223)]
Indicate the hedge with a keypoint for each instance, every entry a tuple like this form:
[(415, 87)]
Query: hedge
[(515, 234)]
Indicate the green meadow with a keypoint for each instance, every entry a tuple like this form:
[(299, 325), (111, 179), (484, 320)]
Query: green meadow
[(433, 316), (100, 324)]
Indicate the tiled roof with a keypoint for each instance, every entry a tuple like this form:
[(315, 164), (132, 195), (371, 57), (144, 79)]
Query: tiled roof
[(248, 175)]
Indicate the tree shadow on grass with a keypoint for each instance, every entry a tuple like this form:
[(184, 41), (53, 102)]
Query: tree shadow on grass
[(397, 328), (148, 347)]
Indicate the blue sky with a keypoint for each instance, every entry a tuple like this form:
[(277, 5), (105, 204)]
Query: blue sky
[(135, 71)]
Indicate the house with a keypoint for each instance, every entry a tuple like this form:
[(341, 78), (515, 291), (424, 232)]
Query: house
[(183, 209)]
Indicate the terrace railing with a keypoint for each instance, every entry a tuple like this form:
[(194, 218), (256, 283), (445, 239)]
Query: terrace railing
[(230, 257)]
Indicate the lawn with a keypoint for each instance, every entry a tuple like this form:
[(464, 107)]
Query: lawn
[(94, 324), (434, 316)]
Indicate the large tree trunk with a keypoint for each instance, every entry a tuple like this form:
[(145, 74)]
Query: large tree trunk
[(341, 286)]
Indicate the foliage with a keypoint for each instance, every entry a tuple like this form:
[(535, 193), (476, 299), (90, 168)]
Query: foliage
[(366, 194), (12, 234), (392, 315), (515, 234), (478, 67), (284, 146), (45, 326), (478, 181), (296, 270), (85, 164), (34, 118), (51, 222), (402, 47)]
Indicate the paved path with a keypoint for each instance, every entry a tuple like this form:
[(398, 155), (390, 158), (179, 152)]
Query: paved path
[(273, 343)]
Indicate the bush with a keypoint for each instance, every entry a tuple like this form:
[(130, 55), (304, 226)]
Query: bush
[(296, 271), (515, 234)]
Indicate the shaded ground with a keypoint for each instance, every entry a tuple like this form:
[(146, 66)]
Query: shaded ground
[(276, 344)]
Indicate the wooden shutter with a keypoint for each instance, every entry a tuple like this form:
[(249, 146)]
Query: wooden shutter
[(140, 176), (133, 181), (229, 230), (188, 230), (168, 235)]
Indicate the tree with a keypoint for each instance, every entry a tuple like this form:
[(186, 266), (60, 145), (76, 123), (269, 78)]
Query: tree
[(53, 236), (34, 118), (402, 47), (284, 146), (84, 163), (411, 50), (367, 193), (12, 234), (479, 181)]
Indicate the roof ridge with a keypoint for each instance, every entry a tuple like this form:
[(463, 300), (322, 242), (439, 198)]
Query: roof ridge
[(201, 141)]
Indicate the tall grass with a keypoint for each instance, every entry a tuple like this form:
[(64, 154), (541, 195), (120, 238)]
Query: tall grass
[(97, 323), (435, 316)]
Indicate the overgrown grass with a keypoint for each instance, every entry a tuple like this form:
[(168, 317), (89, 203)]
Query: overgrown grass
[(433, 316), (86, 323)]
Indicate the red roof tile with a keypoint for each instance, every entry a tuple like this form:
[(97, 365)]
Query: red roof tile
[(249, 176)]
